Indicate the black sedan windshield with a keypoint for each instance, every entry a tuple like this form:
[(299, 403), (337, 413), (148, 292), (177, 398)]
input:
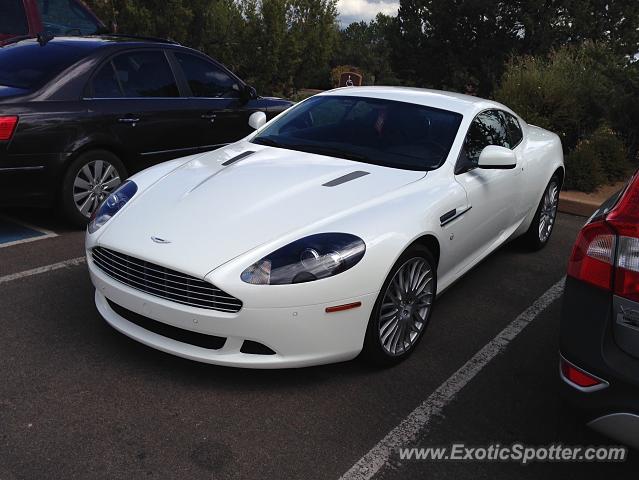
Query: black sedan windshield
[(384, 132)]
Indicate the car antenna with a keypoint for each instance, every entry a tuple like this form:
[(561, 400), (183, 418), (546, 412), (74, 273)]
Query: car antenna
[(44, 38)]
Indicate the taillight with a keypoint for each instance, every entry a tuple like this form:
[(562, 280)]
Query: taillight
[(7, 127), (593, 255), (606, 253), (624, 218)]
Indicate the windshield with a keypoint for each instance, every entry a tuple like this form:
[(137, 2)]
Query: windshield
[(383, 132), (31, 66), (67, 17)]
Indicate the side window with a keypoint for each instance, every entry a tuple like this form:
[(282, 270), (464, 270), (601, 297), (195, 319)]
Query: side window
[(13, 19), (514, 129), (145, 74), (62, 17), (488, 128), (206, 79), (105, 83)]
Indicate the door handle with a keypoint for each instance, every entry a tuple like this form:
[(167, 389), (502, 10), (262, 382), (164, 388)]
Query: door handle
[(209, 116), (131, 120)]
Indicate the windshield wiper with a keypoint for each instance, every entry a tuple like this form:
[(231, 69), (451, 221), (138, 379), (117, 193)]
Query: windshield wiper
[(269, 142), (317, 149), (331, 152)]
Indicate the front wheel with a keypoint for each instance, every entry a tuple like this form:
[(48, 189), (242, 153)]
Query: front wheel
[(89, 179), (543, 222), (402, 309)]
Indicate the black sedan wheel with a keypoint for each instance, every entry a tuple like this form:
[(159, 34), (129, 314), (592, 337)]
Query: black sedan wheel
[(87, 182)]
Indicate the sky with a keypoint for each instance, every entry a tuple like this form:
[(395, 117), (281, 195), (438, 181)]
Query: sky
[(357, 10)]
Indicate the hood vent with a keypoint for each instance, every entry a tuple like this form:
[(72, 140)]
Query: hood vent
[(237, 158), (346, 178)]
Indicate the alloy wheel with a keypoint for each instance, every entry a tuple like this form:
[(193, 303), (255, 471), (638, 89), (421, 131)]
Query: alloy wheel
[(548, 211), (92, 184), (405, 306)]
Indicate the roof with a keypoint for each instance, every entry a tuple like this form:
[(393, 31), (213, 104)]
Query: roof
[(455, 102), (92, 42)]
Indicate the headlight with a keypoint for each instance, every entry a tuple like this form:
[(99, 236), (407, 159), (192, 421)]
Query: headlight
[(311, 258), (112, 205)]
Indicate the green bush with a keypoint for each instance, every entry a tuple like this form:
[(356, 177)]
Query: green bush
[(580, 92), (565, 93), (583, 169), (611, 154), (598, 160)]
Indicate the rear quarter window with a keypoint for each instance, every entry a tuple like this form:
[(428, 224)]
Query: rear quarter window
[(30, 66)]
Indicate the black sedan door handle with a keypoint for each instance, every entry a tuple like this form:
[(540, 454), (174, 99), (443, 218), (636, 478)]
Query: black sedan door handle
[(209, 116), (132, 120)]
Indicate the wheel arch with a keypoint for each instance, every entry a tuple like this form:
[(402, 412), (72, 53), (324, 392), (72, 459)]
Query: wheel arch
[(561, 171), (89, 147), (430, 242)]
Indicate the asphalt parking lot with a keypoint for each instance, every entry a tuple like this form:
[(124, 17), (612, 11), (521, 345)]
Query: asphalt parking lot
[(79, 400)]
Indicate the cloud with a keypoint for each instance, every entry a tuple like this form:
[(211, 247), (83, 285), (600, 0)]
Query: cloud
[(357, 10)]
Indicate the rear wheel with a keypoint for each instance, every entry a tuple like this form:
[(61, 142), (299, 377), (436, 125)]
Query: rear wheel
[(89, 179), (402, 309), (543, 222)]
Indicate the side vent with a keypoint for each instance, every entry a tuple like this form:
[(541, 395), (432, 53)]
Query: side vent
[(237, 158), (346, 178)]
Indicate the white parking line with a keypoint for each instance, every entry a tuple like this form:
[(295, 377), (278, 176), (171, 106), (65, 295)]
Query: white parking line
[(47, 268), (420, 418)]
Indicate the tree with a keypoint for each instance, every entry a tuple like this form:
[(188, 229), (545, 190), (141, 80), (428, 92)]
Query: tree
[(447, 44), (369, 47), (279, 45), (450, 44)]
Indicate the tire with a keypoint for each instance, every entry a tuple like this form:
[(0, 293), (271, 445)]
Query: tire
[(385, 349), (546, 214), (79, 184)]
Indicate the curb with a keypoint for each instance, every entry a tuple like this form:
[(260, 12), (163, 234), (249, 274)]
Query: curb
[(583, 208)]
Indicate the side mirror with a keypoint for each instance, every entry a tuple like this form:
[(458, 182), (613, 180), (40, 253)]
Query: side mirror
[(497, 158), (257, 120), (248, 93)]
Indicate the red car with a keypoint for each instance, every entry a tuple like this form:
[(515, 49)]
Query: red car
[(27, 18)]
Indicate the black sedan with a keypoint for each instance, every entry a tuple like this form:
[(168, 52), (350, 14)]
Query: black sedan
[(599, 341), (79, 114)]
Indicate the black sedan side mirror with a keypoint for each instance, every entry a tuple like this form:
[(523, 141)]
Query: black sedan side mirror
[(249, 93)]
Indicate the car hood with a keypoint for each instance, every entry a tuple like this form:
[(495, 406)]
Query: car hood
[(211, 212)]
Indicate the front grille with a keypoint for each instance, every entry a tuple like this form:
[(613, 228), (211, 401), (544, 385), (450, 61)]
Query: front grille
[(163, 282)]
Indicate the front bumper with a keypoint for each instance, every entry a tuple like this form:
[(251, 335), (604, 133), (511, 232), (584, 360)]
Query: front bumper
[(299, 336)]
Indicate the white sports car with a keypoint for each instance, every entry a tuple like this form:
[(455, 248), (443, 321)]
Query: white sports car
[(326, 233)]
